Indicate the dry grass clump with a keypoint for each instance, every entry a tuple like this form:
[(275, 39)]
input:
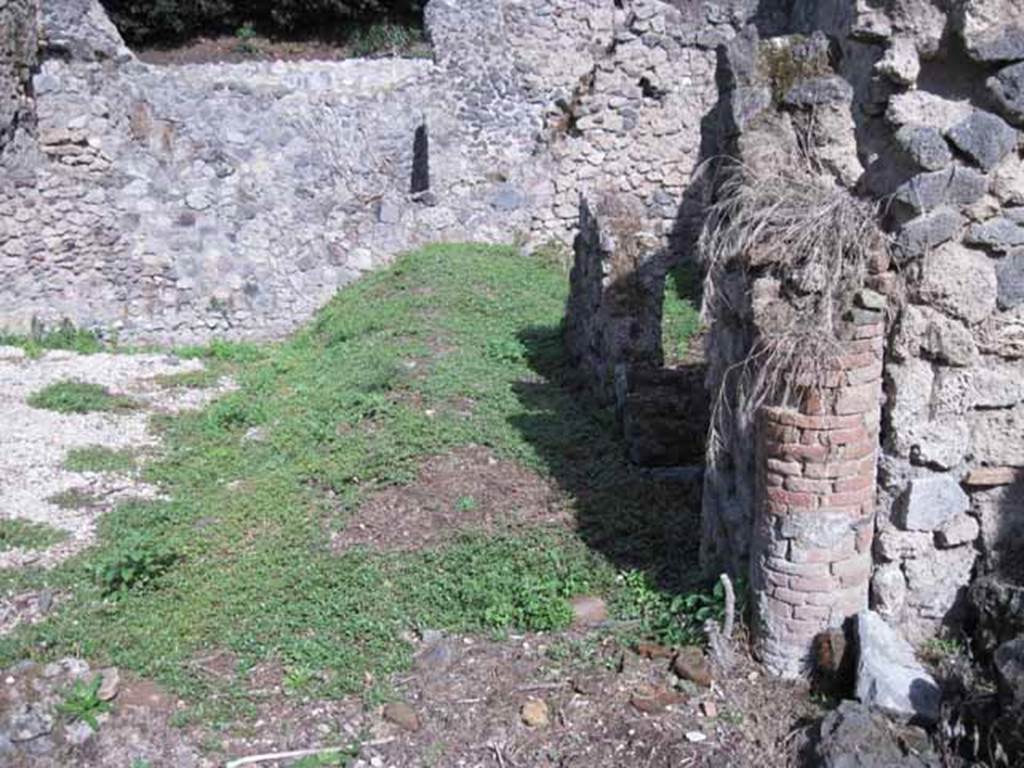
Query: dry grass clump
[(807, 241)]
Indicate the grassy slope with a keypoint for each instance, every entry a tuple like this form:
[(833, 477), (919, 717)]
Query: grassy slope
[(238, 559)]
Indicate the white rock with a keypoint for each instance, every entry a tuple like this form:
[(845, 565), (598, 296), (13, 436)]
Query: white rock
[(889, 676)]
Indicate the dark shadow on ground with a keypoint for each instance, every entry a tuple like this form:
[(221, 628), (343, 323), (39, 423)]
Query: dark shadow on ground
[(636, 519)]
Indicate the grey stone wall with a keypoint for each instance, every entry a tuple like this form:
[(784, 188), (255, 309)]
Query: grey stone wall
[(173, 203), (18, 45), (932, 123)]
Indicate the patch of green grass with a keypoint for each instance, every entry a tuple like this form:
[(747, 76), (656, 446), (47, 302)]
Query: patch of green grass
[(16, 533), (224, 351), (238, 557), (73, 498), (99, 458), (73, 396), (201, 379), (681, 311), (65, 336)]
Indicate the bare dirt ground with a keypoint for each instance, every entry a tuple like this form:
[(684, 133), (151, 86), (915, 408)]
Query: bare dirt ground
[(574, 700), (465, 490)]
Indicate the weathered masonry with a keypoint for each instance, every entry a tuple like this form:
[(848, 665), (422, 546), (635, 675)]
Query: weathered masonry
[(865, 391), (174, 203)]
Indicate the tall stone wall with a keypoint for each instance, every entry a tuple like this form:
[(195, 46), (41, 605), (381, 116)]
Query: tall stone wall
[(174, 203), (925, 113), (18, 48)]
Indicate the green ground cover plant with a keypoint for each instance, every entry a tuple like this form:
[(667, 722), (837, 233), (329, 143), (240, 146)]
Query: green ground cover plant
[(73, 396), (237, 556), (65, 336), (99, 458), (25, 534)]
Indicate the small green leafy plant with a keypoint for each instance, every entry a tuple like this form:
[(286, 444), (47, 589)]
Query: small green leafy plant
[(134, 564), (82, 702), (73, 396), (245, 35), (674, 619)]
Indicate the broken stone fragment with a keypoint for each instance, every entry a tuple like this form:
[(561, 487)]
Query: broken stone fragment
[(962, 529), (924, 146), (535, 713), (1007, 88), (959, 281), (992, 30), (956, 186), (929, 503), (999, 234), (402, 715), (889, 676), (900, 64), (920, 235), (852, 736), (691, 664), (651, 699), (984, 138), (1009, 664), (588, 611), (991, 477), (1010, 276)]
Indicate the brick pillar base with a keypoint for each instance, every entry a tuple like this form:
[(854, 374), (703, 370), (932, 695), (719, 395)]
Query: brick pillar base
[(815, 503)]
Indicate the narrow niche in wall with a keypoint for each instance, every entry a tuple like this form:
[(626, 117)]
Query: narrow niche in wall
[(650, 90), (420, 161)]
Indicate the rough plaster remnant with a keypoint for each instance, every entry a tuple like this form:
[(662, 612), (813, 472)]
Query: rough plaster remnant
[(929, 503)]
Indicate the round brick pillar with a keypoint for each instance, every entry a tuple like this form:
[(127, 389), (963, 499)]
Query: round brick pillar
[(815, 502)]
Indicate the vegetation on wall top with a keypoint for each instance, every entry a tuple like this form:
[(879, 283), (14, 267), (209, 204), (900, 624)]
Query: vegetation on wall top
[(168, 21)]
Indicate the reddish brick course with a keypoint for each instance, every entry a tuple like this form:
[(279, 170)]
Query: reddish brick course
[(818, 469)]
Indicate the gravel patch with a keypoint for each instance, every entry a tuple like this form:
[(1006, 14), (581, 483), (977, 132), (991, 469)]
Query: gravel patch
[(34, 442)]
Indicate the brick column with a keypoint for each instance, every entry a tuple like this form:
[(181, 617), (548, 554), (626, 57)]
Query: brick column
[(815, 501)]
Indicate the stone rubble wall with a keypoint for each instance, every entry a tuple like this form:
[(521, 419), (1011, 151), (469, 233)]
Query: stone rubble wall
[(177, 203), (933, 123), (18, 46), (940, 116)]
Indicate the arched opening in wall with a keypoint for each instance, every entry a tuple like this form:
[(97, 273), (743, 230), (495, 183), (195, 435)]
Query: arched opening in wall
[(420, 182), (235, 31)]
